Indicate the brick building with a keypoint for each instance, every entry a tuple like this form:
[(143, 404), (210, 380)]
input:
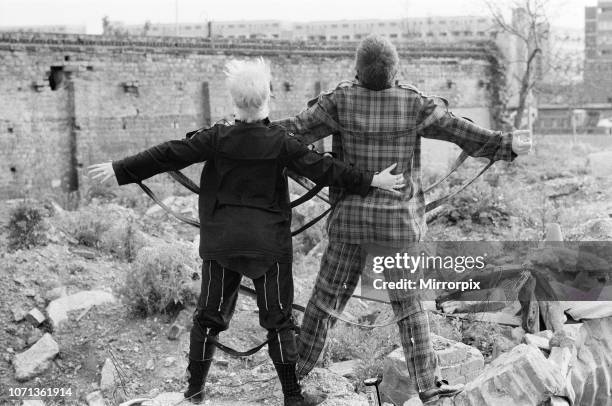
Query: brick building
[(70, 101)]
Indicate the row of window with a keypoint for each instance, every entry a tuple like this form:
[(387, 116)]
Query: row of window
[(390, 24)]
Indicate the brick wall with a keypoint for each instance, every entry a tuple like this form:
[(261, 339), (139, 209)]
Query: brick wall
[(111, 98)]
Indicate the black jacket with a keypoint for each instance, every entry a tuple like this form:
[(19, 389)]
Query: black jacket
[(244, 199)]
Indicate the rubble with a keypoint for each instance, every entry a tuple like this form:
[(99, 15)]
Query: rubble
[(338, 391), (522, 376), (109, 376), (590, 370), (35, 317), (36, 359), (344, 368), (458, 363), (537, 341), (18, 314), (55, 293), (95, 399), (58, 309), (34, 336)]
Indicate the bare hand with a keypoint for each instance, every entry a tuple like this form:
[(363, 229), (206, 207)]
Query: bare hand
[(385, 180), (521, 142), (102, 172)]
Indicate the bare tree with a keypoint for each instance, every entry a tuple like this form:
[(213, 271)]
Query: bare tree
[(529, 27)]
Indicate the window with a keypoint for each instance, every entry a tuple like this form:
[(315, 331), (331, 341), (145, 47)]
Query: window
[(334, 25), (481, 33), (335, 37), (381, 24), (346, 37), (345, 25), (443, 34), (392, 35)]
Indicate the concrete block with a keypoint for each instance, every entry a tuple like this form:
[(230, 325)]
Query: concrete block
[(35, 317), (36, 359)]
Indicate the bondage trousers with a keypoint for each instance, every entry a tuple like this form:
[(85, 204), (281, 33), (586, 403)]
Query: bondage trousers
[(217, 303), (341, 267)]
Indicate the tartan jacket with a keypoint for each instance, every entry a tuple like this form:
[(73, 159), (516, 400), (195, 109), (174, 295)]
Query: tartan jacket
[(374, 129)]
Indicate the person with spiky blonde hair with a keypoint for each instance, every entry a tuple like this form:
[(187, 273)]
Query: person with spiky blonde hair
[(245, 217)]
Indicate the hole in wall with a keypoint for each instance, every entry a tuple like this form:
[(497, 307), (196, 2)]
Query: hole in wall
[(67, 58), (287, 86), (57, 77), (89, 68), (13, 169), (10, 130)]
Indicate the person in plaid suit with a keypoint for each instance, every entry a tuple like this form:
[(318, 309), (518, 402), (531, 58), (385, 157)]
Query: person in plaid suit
[(375, 122)]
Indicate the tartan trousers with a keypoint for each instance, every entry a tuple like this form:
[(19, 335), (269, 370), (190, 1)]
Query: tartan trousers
[(341, 268)]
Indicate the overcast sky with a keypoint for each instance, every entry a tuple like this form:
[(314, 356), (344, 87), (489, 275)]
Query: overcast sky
[(90, 12)]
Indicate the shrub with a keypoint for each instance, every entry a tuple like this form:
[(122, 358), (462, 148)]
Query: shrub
[(160, 280), (122, 240), (26, 227), (87, 226)]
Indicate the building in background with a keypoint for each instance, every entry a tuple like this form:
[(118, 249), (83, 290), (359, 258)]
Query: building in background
[(51, 29), (598, 52), (438, 29)]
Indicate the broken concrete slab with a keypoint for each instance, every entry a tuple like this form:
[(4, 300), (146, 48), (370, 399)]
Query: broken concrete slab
[(109, 377), (36, 359), (584, 310), (458, 363), (35, 317), (522, 376), (562, 357), (590, 370), (537, 341), (58, 309)]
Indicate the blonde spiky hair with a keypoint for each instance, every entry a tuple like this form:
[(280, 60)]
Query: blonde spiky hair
[(249, 85)]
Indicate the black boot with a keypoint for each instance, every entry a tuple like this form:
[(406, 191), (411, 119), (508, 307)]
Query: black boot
[(292, 391), (198, 370)]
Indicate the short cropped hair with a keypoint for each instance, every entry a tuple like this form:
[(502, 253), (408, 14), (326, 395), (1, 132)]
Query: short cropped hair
[(376, 62), (249, 85)]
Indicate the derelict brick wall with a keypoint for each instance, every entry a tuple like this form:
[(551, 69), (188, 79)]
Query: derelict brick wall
[(119, 97)]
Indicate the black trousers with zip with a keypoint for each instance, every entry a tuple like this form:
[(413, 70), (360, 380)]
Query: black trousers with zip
[(217, 303)]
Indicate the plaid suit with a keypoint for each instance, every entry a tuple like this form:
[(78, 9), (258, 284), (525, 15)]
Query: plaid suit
[(372, 130)]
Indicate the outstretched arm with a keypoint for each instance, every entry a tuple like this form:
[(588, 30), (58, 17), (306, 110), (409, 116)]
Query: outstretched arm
[(315, 122), (438, 123), (168, 156)]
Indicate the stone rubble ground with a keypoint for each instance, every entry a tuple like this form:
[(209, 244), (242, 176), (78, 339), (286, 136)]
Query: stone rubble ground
[(545, 367)]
